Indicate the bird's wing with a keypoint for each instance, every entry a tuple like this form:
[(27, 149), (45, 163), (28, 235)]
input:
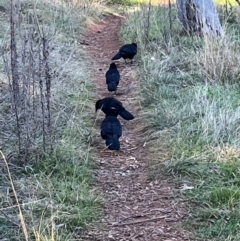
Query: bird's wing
[(117, 56), (125, 114)]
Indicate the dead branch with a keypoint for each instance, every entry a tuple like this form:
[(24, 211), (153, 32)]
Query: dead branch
[(14, 72), (48, 85), (9, 219), (170, 16), (148, 23), (42, 98)]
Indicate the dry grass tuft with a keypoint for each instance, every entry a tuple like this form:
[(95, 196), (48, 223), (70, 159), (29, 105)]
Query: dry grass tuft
[(227, 154), (219, 61)]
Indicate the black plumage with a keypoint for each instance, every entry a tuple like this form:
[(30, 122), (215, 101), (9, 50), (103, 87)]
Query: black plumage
[(111, 130), (127, 51), (113, 107), (112, 77)]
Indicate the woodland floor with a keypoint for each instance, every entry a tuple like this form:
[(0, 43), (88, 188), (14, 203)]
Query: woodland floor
[(135, 208)]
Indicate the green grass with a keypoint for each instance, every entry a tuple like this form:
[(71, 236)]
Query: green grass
[(215, 199), (190, 89), (56, 191)]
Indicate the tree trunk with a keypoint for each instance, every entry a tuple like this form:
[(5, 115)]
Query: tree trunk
[(200, 16)]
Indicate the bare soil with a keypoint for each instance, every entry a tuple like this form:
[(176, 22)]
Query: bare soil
[(135, 208)]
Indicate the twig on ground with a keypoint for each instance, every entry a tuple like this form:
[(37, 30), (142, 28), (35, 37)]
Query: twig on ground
[(141, 221), (9, 219)]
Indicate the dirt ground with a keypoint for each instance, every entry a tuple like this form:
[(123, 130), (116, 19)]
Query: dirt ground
[(135, 208)]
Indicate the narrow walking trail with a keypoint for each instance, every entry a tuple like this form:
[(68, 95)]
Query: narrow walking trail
[(135, 208)]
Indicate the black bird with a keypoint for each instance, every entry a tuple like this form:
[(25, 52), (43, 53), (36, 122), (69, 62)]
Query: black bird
[(111, 130), (127, 51), (112, 77), (111, 106)]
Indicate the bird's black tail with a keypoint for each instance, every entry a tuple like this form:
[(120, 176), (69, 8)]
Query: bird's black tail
[(112, 142), (117, 56), (112, 86), (125, 114)]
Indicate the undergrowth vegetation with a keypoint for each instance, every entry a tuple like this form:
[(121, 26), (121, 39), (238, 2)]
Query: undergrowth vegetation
[(191, 103), (54, 189)]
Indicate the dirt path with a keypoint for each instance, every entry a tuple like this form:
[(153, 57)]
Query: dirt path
[(135, 208)]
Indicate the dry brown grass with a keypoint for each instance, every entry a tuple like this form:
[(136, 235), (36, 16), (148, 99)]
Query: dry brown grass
[(219, 60)]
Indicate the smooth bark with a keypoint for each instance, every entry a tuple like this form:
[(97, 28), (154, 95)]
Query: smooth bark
[(200, 16)]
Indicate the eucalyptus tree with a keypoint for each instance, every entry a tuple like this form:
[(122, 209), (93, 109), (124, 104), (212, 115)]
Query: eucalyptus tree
[(200, 16)]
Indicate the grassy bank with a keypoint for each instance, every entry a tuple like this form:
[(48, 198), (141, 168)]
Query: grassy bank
[(55, 190), (190, 90)]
